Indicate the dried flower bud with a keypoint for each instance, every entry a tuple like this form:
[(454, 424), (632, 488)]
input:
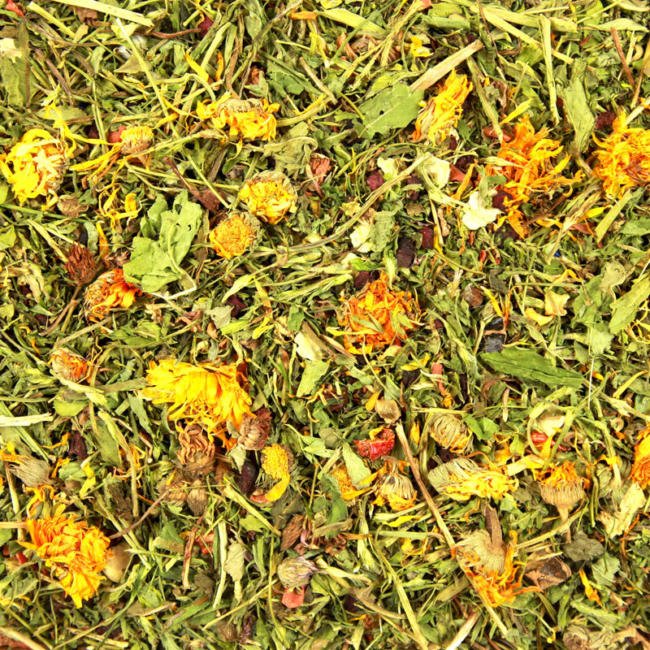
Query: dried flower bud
[(81, 266), (70, 206), (135, 139), (117, 562), (388, 409), (197, 452), (296, 572), (32, 471), (562, 487), (451, 432), (68, 365), (254, 430), (396, 490), (197, 498)]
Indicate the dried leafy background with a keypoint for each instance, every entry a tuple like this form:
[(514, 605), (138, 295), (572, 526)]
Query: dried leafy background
[(574, 294)]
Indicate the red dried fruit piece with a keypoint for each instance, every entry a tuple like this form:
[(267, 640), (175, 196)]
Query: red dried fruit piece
[(380, 446)]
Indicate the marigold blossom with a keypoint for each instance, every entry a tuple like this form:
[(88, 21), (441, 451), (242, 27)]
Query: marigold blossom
[(623, 158), (35, 165), (246, 119), (75, 552), (68, 365), (562, 487), (234, 235), (344, 483), (531, 168), (206, 394), (396, 489), (135, 140), (269, 196), (377, 317), (461, 478), (109, 291), (641, 468), (276, 463), (442, 113)]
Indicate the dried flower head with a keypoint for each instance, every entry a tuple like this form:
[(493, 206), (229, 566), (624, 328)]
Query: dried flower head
[(75, 552), (491, 568), (197, 453), (81, 266), (344, 482), (449, 431), (234, 235), (35, 165), (623, 158), (269, 196), (377, 317), (276, 463), (109, 291), (532, 170), (462, 478), (68, 365), (561, 487), (296, 572), (395, 489), (206, 394), (135, 140), (254, 430), (442, 113), (246, 119), (641, 468)]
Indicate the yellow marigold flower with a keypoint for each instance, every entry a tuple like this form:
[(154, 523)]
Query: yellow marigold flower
[(75, 552), (641, 468), (35, 165), (269, 196), (462, 478), (207, 394), (109, 291), (377, 317), (246, 119), (276, 462), (68, 365), (531, 169), (397, 490), (442, 113), (562, 487), (623, 158), (491, 568), (135, 139), (234, 235), (449, 431)]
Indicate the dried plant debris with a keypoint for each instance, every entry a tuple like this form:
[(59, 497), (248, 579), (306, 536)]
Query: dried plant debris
[(324, 325)]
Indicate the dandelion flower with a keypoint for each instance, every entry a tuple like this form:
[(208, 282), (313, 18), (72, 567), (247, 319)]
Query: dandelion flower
[(641, 468), (623, 158), (35, 165), (75, 552), (397, 490), (246, 119), (442, 113), (377, 317), (461, 478), (269, 196), (450, 432), (532, 169), (562, 487), (68, 365), (234, 235), (135, 140), (276, 463), (207, 394), (109, 291)]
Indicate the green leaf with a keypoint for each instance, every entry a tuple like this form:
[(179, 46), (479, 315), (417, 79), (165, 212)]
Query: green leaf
[(605, 569), (392, 108), (313, 373), (624, 309), (577, 109), (526, 364), (155, 263), (355, 466)]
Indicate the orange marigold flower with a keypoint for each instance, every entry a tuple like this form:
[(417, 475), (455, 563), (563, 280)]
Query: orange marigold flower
[(269, 196), (109, 291), (442, 113), (234, 235), (206, 394), (531, 169), (377, 317), (491, 568), (623, 158), (68, 365), (395, 489), (562, 487), (75, 552), (641, 468), (246, 119), (35, 165)]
